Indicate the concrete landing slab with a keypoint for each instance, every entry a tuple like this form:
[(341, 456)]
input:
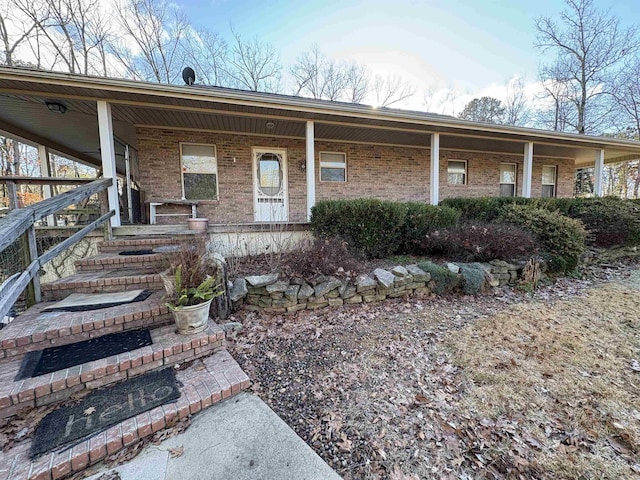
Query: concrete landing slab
[(241, 439)]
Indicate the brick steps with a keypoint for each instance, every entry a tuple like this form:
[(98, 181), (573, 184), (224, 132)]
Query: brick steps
[(102, 282), (113, 261), (168, 348), (120, 245), (34, 330), (206, 382)]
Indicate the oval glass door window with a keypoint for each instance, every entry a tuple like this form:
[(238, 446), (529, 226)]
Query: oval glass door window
[(269, 174)]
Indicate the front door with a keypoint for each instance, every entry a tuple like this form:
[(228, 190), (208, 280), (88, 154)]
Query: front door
[(270, 185)]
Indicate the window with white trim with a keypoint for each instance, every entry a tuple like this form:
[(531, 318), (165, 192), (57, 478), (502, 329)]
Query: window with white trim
[(549, 175), (333, 167), (457, 172), (199, 171), (508, 175)]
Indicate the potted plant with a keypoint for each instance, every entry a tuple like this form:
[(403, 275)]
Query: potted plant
[(191, 284)]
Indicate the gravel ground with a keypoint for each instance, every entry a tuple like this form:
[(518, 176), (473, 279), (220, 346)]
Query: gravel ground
[(402, 389)]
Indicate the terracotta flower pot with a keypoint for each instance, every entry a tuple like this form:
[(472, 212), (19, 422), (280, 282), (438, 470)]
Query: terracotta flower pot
[(192, 319), (198, 224)]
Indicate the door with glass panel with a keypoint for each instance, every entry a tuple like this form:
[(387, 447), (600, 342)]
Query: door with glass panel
[(270, 185)]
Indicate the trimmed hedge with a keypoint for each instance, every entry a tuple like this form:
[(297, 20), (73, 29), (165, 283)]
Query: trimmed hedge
[(563, 238), (379, 228), (610, 220)]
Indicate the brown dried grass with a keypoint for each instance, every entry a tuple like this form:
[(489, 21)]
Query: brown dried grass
[(563, 372)]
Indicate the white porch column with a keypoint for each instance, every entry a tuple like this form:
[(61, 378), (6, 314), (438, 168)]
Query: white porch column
[(598, 173), (108, 154), (45, 171), (311, 169), (434, 190), (527, 169)]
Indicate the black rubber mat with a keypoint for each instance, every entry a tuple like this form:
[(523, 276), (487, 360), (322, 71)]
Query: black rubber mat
[(104, 408), (53, 359), (136, 252), (87, 308)]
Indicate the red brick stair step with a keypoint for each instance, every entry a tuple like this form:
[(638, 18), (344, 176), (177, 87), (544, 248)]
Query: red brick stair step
[(113, 261), (122, 244), (101, 282), (169, 348), (205, 383), (28, 332)]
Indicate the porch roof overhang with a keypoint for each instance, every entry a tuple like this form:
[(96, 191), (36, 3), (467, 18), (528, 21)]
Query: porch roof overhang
[(134, 104)]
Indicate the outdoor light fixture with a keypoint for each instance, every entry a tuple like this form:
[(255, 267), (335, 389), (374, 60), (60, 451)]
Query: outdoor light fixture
[(56, 107), (270, 125)]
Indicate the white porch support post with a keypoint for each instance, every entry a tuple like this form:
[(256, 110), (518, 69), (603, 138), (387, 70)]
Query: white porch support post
[(527, 169), (311, 169), (434, 190), (598, 173), (108, 154), (45, 171)]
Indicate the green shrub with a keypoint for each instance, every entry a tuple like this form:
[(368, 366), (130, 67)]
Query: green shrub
[(369, 225), (420, 220), (445, 280), (562, 238), (473, 278), (610, 220), (379, 228), (485, 209)]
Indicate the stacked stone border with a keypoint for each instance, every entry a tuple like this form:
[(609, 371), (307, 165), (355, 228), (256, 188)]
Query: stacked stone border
[(270, 293)]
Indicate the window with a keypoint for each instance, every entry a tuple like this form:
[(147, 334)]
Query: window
[(457, 172), (333, 167), (548, 181), (199, 172), (508, 172)]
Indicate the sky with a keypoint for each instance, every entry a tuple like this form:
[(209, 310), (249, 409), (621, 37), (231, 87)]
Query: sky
[(473, 47)]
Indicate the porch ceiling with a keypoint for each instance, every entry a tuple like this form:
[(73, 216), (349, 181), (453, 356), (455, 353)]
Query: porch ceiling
[(141, 104)]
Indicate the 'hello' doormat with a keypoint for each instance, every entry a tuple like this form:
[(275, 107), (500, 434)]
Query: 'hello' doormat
[(104, 408)]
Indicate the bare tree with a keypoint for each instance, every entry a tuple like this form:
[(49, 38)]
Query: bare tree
[(627, 92), (253, 65), (75, 32), (13, 31), (306, 73), (589, 44), (356, 83), (157, 30), (391, 90), (516, 105), (206, 52)]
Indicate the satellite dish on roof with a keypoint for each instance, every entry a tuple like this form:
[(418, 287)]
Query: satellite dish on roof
[(189, 76)]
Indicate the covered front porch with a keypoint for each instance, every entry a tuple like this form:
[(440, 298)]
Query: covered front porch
[(247, 160)]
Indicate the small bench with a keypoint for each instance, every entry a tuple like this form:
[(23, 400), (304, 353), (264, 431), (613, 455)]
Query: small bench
[(153, 205)]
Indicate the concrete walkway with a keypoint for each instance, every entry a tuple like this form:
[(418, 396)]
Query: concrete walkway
[(240, 439)]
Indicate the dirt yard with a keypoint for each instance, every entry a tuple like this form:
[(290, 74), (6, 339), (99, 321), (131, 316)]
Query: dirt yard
[(510, 385)]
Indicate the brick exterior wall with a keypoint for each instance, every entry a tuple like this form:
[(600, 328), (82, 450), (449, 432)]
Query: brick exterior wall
[(385, 172)]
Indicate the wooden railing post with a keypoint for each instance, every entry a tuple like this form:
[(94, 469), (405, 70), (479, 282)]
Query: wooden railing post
[(33, 255)]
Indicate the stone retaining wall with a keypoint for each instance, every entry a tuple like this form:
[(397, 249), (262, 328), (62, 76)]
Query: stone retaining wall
[(273, 294)]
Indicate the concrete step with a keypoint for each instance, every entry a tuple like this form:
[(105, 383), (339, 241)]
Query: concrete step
[(206, 382), (145, 243), (168, 348), (102, 282), (113, 261), (37, 330)]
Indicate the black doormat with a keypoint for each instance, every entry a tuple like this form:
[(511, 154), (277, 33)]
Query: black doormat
[(99, 306), (104, 408), (136, 252), (53, 359)]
